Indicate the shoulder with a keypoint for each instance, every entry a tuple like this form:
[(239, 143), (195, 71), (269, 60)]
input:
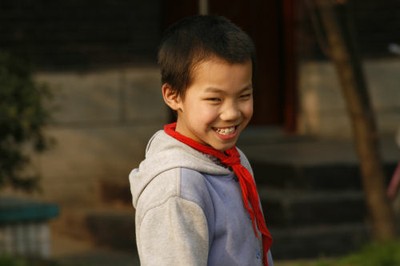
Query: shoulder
[(176, 184), (245, 162), (159, 189)]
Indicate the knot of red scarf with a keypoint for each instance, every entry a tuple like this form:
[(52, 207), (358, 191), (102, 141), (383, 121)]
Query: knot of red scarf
[(232, 159), (251, 202)]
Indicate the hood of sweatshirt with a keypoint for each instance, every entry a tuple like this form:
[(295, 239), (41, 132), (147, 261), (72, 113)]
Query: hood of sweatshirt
[(163, 153)]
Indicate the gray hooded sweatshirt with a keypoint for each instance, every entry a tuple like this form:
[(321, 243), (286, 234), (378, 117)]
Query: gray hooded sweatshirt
[(189, 209)]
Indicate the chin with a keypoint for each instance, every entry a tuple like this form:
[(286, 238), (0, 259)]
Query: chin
[(224, 147)]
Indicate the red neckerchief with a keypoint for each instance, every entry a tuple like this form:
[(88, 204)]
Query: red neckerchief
[(231, 158)]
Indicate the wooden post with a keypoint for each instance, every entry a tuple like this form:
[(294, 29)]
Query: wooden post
[(343, 52)]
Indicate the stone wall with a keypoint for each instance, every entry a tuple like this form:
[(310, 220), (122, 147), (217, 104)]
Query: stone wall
[(322, 108), (102, 120)]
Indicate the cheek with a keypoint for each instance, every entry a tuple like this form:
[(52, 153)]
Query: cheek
[(207, 114), (248, 110), (204, 113)]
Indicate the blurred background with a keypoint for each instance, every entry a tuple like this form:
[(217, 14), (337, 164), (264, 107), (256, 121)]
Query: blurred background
[(97, 60)]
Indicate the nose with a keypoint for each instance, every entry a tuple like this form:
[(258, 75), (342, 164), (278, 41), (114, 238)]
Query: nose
[(231, 112)]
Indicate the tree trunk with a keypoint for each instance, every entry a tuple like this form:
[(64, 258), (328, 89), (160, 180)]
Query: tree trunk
[(335, 21)]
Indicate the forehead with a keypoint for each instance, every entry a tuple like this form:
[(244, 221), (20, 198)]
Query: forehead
[(219, 71)]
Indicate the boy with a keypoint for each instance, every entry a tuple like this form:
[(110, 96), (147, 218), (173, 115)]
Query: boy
[(194, 194)]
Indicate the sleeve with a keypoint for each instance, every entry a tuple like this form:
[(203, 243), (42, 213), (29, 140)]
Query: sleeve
[(174, 233)]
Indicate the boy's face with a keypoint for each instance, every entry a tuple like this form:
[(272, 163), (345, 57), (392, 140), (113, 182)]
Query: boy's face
[(218, 104)]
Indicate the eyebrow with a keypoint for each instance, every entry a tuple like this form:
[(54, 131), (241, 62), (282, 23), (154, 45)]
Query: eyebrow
[(216, 90)]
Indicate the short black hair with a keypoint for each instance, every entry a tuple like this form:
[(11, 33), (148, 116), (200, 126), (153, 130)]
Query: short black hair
[(196, 39)]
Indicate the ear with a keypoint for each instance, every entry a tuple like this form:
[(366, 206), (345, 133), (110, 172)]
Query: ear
[(171, 97)]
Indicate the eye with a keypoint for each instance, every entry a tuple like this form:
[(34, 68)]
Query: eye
[(245, 96), (213, 99)]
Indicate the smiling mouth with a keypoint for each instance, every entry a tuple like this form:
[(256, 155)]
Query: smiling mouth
[(226, 131)]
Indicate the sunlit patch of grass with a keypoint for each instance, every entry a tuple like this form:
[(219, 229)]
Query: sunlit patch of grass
[(374, 254)]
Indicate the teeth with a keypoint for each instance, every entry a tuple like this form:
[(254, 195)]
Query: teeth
[(225, 131)]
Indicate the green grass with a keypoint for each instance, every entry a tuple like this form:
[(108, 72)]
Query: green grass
[(7, 260), (375, 254)]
